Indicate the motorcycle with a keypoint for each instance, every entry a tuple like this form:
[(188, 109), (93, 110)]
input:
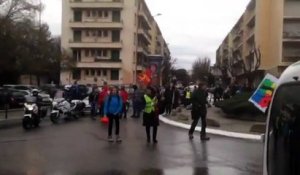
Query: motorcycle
[(69, 110), (31, 117)]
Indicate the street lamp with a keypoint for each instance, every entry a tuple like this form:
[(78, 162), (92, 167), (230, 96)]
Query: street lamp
[(158, 14)]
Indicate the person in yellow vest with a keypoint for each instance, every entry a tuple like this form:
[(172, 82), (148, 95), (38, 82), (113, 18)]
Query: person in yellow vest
[(188, 95), (150, 116)]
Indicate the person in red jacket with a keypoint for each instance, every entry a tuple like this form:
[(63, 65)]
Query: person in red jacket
[(124, 95), (101, 98)]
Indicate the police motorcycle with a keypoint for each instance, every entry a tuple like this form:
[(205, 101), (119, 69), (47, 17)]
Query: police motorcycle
[(67, 109), (33, 111)]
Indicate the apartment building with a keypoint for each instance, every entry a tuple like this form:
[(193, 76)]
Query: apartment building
[(267, 32), (108, 40)]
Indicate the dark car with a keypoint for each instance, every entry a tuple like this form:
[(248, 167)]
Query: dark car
[(12, 98), (17, 98), (4, 97), (50, 89)]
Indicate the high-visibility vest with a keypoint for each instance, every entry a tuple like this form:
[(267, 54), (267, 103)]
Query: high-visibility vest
[(188, 95), (149, 104)]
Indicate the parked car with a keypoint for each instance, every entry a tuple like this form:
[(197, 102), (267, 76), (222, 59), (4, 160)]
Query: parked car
[(50, 89), (13, 98), (4, 97)]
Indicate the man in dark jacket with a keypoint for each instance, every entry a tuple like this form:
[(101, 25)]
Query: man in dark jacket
[(199, 102)]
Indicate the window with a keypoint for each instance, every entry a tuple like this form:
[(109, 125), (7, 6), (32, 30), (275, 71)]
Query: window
[(116, 16), (77, 16), (115, 35), (76, 74), (283, 155), (104, 53), (94, 13), (105, 14), (114, 74), (87, 52), (115, 54), (99, 52), (104, 72), (94, 52), (98, 72), (99, 33), (77, 55), (94, 33), (105, 33), (88, 13), (87, 33), (100, 14), (93, 72), (77, 36), (87, 72)]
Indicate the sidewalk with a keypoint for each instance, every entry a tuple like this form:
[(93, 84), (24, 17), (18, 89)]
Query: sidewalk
[(219, 121)]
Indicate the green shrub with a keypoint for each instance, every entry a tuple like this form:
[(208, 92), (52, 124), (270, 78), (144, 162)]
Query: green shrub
[(238, 104)]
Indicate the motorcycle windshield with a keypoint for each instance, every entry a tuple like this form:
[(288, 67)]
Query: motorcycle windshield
[(30, 99)]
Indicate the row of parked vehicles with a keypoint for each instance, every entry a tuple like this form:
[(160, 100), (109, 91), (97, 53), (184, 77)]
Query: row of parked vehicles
[(14, 96)]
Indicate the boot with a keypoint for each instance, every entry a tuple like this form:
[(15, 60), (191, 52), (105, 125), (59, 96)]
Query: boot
[(204, 138)]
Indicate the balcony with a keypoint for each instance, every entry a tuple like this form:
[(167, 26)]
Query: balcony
[(251, 21), (112, 45), (291, 36), (143, 50), (96, 24), (112, 4), (106, 64), (144, 20), (145, 35)]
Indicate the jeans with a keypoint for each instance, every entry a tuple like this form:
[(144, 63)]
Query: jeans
[(168, 108), (196, 115), (113, 118)]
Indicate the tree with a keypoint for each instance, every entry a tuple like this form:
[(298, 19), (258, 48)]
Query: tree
[(13, 17), (251, 64), (201, 69), (168, 70), (182, 76)]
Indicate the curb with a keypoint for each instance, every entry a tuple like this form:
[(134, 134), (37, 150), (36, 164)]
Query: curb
[(255, 137)]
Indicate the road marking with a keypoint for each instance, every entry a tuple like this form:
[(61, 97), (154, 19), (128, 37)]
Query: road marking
[(256, 137)]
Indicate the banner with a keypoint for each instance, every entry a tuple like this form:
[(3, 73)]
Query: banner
[(263, 94)]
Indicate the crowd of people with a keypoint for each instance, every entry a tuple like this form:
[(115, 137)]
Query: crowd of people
[(113, 102)]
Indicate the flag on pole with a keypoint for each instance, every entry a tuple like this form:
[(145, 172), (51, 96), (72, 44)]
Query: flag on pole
[(263, 94)]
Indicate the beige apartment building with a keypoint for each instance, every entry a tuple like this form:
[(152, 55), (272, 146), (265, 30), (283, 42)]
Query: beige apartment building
[(109, 40), (269, 30)]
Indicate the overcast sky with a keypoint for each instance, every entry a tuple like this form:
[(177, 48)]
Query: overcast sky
[(192, 28)]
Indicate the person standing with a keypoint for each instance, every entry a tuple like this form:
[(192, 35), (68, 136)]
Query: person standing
[(188, 95), (150, 116), (112, 109), (75, 94), (137, 99), (124, 95), (199, 110), (102, 95), (93, 100), (168, 100)]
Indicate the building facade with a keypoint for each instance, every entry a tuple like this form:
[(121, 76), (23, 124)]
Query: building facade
[(107, 40), (266, 39)]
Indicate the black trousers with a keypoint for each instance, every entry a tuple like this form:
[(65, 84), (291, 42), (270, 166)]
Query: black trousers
[(154, 133), (124, 110), (168, 108), (113, 118), (196, 115)]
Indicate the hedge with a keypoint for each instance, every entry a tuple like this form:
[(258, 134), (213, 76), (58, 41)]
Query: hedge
[(238, 104)]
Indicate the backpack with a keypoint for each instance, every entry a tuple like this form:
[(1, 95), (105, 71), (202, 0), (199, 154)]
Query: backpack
[(109, 99)]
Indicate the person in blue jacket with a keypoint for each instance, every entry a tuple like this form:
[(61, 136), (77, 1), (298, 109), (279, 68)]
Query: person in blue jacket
[(113, 109)]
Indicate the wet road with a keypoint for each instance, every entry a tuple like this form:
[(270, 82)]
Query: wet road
[(80, 147)]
